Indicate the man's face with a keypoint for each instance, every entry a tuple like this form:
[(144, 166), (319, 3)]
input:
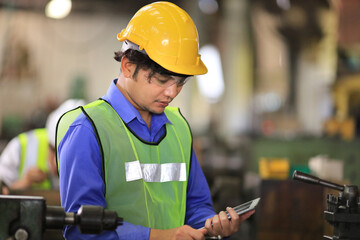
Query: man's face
[(154, 94)]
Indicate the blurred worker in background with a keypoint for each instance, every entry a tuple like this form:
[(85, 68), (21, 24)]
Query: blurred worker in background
[(28, 160), (132, 153)]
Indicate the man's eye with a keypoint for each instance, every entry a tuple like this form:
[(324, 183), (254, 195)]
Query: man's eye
[(163, 81)]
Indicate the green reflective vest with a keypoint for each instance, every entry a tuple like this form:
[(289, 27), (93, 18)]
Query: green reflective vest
[(146, 182), (34, 146)]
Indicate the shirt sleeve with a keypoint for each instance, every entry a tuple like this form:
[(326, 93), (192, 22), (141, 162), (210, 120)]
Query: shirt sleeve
[(10, 161), (199, 206), (81, 181)]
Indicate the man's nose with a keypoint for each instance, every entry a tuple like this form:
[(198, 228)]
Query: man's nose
[(172, 91)]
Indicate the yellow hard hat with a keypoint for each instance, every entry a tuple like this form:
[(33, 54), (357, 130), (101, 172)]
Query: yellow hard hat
[(169, 37)]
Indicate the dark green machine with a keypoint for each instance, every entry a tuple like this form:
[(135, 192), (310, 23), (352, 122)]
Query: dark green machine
[(27, 217), (343, 212)]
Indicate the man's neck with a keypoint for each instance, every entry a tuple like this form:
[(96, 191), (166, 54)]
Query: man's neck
[(147, 119), (145, 115)]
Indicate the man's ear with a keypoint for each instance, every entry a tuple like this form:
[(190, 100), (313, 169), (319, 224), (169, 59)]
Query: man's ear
[(127, 68)]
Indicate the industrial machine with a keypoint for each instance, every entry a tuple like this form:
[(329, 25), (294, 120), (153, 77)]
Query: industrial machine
[(343, 211), (27, 217), (346, 96)]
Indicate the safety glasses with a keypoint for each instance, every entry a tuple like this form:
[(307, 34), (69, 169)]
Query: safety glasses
[(166, 81)]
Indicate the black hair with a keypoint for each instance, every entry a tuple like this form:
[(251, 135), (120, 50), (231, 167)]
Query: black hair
[(144, 62)]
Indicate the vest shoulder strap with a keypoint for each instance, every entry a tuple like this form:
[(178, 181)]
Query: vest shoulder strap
[(66, 120)]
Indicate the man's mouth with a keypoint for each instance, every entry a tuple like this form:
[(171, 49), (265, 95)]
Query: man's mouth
[(163, 103)]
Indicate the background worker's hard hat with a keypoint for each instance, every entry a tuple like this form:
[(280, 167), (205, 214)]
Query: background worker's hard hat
[(169, 37), (54, 116)]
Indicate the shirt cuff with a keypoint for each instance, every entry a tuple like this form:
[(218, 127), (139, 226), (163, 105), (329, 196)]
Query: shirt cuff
[(128, 231)]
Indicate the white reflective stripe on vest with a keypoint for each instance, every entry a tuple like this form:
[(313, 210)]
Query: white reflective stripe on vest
[(32, 149), (155, 172)]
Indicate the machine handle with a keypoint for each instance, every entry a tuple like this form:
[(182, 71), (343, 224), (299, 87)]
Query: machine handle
[(297, 175)]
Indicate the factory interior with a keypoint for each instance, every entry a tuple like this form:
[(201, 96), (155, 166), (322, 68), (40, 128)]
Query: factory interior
[(282, 94)]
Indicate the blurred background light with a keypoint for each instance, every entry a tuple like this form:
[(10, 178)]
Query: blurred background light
[(284, 4), (58, 8), (208, 6), (211, 84), (268, 102)]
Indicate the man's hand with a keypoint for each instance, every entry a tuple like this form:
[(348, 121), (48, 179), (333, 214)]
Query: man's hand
[(3, 188), (33, 175), (221, 225), (180, 233)]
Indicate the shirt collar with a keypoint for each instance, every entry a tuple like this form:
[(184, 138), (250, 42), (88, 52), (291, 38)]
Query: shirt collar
[(126, 110)]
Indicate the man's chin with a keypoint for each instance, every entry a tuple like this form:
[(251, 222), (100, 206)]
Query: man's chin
[(157, 110)]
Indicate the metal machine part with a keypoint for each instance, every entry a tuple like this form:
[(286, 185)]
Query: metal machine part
[(27, 217), (343, 212)]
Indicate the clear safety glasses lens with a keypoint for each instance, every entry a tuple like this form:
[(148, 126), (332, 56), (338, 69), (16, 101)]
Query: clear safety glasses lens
[(169, 81)]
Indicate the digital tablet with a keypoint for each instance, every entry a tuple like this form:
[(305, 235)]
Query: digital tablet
[(244, 207)]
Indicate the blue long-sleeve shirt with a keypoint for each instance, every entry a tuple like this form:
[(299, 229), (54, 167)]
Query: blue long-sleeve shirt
[(80, 170)]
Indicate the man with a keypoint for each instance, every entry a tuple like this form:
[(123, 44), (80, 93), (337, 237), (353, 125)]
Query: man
[(28, 160), (132, 153)]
